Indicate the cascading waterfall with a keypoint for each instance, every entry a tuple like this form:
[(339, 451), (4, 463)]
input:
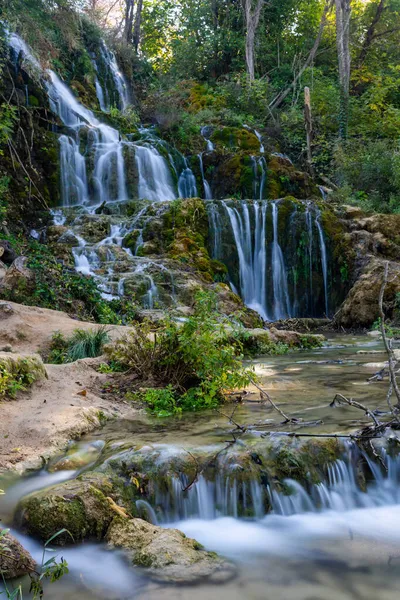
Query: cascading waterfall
[(279, 274), (187, 187), (206, 185), (324, 260), (252, 253), (277, 278), (113, 76), (227, 494), (155, 181)]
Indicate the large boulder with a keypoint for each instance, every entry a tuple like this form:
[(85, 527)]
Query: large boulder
[(360, 308), (166, 553), (15, 561), (83, 507)]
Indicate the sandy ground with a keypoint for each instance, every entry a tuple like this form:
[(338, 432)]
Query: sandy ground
[(41, 421)]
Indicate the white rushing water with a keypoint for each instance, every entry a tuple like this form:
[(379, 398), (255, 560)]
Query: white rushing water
[(187, 182), (206, 185), (252, 253)]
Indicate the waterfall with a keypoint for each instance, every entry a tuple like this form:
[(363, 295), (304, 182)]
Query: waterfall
[(113, 78), (279, 275), (206, 132), (187, 187), (258, 136), (276, 255), (224, 492), (324, 260), (252, 253), (155, 181), (259, 179), (206, 185), (108, 177)]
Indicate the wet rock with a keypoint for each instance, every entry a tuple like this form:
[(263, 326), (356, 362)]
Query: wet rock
[(360, 308), (82, 506), (15, 561), (79, 458), (68, 238), (167, 553), (19, 276), (7, 252)]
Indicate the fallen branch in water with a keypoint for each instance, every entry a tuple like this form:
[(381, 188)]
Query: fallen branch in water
[(268, 397), (340, 399)]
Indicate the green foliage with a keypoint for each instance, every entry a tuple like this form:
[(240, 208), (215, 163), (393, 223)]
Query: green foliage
[(17, 374), (197, 360), (84, 343)]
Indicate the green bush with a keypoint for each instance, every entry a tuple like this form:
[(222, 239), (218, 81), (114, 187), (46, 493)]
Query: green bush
[(82, 344), (18, 373), (196, 361)]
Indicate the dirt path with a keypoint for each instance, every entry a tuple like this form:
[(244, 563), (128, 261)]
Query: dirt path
[(41, 421)]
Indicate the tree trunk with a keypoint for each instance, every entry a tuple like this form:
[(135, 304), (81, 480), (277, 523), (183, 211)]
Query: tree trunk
[(128, 20), (343, 12), (308, 125), (369, 36), (252, 19), (136, 28), (277, 101)]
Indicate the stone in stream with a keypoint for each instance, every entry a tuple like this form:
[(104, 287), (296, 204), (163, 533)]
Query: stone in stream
[(15, 561), (166, 553)]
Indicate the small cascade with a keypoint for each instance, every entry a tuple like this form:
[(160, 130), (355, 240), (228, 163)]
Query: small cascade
[(155, 180), (252, 253), (206, 185), (324, 260), (111, 86), (187, 187), (276, 255), (206, 131), (259, 176), (258, 136), (228, 491), (279, 274)]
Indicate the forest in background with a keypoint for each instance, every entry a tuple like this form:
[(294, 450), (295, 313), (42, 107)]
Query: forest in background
[(236, 62)]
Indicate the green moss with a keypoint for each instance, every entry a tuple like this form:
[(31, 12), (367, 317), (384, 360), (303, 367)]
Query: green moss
[(233, 138)]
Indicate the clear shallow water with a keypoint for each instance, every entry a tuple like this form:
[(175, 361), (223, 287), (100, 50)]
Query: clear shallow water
[(348, 553)]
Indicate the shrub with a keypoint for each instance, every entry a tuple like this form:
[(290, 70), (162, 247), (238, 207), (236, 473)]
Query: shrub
[(17, 373), (197, 360), (82, 344)]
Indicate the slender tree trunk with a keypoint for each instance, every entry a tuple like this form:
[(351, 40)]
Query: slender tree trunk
[(252, 18), (277, 101), (308, 125), (369, 36), (343, 12), (138, 22), (128, 20)]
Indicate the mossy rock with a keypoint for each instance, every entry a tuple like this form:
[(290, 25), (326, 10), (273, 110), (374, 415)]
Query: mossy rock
[(81, 506), (234, 138), (167, 553)]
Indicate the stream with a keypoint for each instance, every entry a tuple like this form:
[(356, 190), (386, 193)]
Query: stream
[(347, 547)]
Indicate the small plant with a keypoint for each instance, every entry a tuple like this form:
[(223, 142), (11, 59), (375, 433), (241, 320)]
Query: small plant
[(82, 344), (17, 374), (49, 569)]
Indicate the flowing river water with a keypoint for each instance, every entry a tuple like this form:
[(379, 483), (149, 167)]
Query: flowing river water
[(347, 547)]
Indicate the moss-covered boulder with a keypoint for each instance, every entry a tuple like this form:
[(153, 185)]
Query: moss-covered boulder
[(83, 507), (360, 308), (15, 561), (166, 553)]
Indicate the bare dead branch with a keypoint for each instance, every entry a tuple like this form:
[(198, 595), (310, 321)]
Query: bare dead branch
[(340, 399)]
